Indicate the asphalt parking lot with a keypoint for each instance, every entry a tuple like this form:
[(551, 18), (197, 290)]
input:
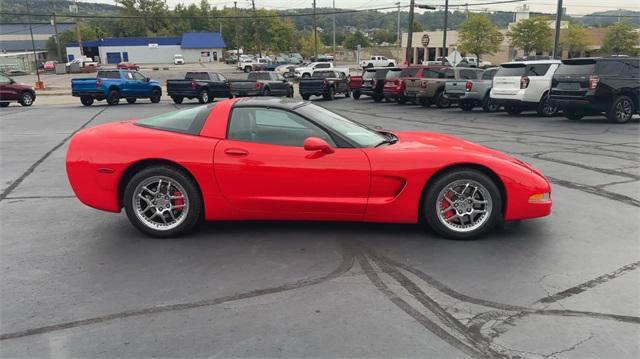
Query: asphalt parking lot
[(77, 282)]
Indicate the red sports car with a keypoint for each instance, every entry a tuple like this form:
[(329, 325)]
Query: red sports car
[(277, 159), (127, 66)]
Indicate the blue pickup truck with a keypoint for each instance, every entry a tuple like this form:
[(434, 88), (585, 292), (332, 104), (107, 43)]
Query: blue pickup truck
[(112, 85)]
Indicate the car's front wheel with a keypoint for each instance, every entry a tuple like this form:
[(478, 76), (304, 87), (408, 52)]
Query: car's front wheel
[(26, 99), (86, 100), (155, 96), (462, 204), (545, 108), (621, 110), (113, 97), (163, 201), (177, 99), (356, 94), (203, 96)]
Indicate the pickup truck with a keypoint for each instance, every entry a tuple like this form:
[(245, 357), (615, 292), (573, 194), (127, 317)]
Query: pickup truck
[(253, 65), (373, 83), (306, 71), (112, 85), (355, 86), (394, 84), (262, 83), (378, 61), (429, 89), (472, 92), (325, 83), (205, 86)]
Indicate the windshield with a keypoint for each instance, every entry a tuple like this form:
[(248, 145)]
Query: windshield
[(355, 132), (188, 121)]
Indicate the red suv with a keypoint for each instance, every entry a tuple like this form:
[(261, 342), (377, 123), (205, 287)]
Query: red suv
[(394, 84), (15, 91)]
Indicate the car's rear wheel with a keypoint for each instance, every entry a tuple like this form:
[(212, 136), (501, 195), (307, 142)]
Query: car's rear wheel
[(203, 96), (513, 109), (331, 95), (26, 99), (621, 110), (425, 102), (305, 97), (466, 105), (177, 99), (131, 100), (155, 96), (267, 92), (488, 105), (163, 201), (441, 101), (113, 97), (356, 94), (86, 100), (462, 204), (377, 98), (401, 100), (290, 92), (546, 109)]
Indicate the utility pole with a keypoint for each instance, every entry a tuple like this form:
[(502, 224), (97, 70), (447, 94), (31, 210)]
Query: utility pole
[(235, 23), (334, 27), (409, 54), (315, 32), (78, 34), (556, 38), (399, 34), (39, 84), (256, 26), (54, 22), (444, 35)]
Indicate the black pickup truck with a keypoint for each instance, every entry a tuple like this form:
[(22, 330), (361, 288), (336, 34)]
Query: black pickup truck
[(325, 83), (262, 83), (205, 86)]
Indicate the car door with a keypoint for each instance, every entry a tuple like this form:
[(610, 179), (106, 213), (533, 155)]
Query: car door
[(142, 87), (262, 166), (7, 91)]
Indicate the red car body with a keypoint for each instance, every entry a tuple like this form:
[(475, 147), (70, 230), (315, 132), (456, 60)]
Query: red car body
[(243, 180), (127, 66), (11, 91), (50, 65)]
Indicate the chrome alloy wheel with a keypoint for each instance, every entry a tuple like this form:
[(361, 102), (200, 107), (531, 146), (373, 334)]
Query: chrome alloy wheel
[(624, 110), (160, 203), (464, 205)]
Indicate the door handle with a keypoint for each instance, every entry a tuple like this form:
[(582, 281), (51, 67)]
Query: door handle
[(236, 152)]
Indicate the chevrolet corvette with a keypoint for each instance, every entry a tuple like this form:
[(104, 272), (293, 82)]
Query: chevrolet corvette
[(281, 159)]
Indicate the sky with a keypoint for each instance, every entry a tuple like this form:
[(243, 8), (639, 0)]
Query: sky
[(574, 7)]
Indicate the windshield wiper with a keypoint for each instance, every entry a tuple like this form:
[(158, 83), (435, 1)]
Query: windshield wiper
[(390, 139)]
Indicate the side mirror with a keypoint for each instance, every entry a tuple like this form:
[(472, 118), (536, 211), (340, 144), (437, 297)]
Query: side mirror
[(146, 79), (317, 144)]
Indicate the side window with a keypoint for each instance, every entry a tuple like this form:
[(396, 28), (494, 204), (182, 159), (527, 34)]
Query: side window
[(213, 77), (537, 69), (468, 75), (138, 76), (489, 74), (449, 74), (633, 67), (324, 66), (609, 68), (273, 126), (128, 75), (4, 79), (279, 77), (221, 77)]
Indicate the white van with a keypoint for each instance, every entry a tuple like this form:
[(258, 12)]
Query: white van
[(178, 59)]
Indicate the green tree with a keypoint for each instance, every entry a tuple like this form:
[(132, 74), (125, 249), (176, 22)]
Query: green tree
[(417, 27), (306, 46), (531, 34), (352, 41), (381, 35), (478, 36), (620, 39), (88, 31), (574, 39)]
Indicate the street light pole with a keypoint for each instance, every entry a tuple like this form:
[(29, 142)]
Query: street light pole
[(334, 27), (556, 38), (39, 84), (399, 34), (409, 53), (315, 33), (78, 33), (235, 24), (444, 34)]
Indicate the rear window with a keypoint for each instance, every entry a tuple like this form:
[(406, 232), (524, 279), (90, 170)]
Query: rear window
[(537, 69), (576, 68), (512, 70), (432, 74), (381, 74), (108, 74), (395, 73), (188, 121), (259, 76), (410, 72), (468, 75), (197, 76)]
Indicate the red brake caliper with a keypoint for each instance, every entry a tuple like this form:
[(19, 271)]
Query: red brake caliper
[(446, 204), (178, 201)]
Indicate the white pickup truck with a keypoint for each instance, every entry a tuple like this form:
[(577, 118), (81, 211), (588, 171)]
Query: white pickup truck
[(306, 71), (378, 61), (249, 65)]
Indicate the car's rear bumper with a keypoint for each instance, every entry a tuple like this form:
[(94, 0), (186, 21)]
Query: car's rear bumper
[(514, 102), (583, 103), (95, 94), (184, 93)]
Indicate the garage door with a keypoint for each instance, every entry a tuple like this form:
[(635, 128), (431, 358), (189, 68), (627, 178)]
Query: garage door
[(113, 57)]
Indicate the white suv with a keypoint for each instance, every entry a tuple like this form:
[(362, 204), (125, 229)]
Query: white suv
[(525, 85)]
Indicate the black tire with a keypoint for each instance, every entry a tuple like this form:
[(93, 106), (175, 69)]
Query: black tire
[(305, 97), (622, 110), (391, 64), (194, 204), (155, 96), (113, 98), (131, 100), (441, 101), (466, 105), (369, 65), (290, 92), (443, 181), (177, 99), (266, 92), (347, 93), (306, 75), (27, 98), (401, 100), (203, 96), (513, 109), (545, 109), (4, 104), (331, 95), (424, 101), (86, 100), (247, 69), (488, 105), (356, 94), (377, 98), (573, 114)]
